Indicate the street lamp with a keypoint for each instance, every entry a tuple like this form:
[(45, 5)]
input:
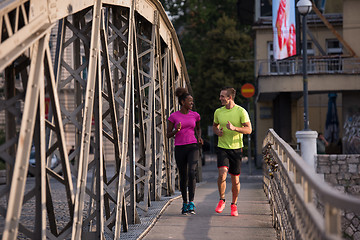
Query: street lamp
[(304, 7)]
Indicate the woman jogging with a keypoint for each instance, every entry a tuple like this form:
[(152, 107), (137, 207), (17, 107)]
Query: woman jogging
[(183, 124)]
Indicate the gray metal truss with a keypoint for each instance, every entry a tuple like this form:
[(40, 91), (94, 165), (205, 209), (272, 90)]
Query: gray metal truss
[(107, 88)]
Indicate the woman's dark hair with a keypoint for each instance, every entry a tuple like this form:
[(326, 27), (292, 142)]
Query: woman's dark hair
[(182, 94)]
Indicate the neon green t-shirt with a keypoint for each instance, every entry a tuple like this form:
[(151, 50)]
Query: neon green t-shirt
[(237, 116)]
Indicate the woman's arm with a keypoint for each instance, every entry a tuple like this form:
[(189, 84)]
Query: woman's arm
[(198, 132), (170, 132)]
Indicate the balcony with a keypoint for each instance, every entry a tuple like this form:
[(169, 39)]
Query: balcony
[(329, 65), (332, 74)]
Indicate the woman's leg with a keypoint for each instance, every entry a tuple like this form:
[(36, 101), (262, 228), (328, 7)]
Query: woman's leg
[(193, 159), (181, 163)]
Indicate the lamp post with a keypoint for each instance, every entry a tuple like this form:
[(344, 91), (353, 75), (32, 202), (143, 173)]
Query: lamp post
[(306, 138), (304, 7)]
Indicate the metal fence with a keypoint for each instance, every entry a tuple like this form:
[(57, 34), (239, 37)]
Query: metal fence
[(314, 66)]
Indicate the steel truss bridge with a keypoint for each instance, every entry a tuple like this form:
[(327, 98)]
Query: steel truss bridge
[(117, 62)]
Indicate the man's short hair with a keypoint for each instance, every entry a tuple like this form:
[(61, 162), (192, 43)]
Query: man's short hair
[(230, 91)]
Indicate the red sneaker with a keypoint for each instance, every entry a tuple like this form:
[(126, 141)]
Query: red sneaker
[(220, 207), (234, 211)]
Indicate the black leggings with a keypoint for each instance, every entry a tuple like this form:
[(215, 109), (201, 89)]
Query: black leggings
[(187, 157)]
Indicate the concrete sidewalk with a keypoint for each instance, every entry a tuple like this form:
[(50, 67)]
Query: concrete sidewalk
[(254, 220)]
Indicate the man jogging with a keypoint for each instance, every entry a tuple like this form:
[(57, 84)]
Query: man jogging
[(230, 123)]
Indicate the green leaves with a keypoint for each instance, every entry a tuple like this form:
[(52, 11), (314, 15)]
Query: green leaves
[(217, 50)]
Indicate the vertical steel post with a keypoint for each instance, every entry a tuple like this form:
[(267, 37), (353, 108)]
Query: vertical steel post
[(86, 124), (40, 219), (151, 131), (249, 142), (162, 103), (10, 123), (124, 143)]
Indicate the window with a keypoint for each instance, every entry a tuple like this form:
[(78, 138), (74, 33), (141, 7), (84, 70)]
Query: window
[(334, 47), (311, 64), (310, 51), (266, 8), (279, 67), (286, 66)]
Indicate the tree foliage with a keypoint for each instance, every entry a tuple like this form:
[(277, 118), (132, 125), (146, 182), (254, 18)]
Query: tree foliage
[(217, 49), (226, 62)]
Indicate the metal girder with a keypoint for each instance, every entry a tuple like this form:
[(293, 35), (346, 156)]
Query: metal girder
[(107, 90), (83, 165), (144, 92), (162, 101), (59, 133), (17, 191), (125, 124)]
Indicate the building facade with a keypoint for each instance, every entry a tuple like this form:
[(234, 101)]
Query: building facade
[(333, 69)]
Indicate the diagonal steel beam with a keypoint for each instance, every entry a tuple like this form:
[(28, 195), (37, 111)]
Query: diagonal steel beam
[(60, 136), (25, 141)]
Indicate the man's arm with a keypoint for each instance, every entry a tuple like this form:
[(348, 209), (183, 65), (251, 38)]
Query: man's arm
[(245, 129), (216, 129)]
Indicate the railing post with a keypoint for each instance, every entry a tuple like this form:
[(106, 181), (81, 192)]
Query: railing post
[(332, 220), (307, 140), (307, 192), (288, 163), (297, 175)]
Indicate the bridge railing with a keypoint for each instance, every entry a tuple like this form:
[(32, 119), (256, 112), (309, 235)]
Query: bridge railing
[(303, 205)]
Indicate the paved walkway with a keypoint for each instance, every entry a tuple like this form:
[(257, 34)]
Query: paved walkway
[(253, 222)]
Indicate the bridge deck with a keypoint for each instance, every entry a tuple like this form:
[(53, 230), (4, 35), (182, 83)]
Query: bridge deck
[(254, 220)]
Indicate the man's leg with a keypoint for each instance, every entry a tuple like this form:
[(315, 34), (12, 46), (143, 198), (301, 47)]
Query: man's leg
[(222, 181), (235, 188), (222, 164), (235, 170), (221, 186)]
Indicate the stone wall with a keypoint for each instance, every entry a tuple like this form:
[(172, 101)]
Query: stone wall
[(343, 173)]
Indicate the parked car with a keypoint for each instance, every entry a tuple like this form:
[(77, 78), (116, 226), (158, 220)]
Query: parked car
[(54, 160)]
